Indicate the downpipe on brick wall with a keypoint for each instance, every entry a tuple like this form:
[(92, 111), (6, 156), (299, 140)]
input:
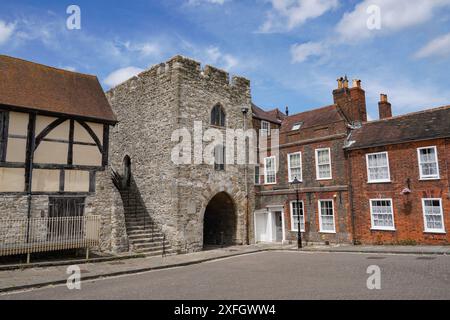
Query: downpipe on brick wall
[(247, 218)]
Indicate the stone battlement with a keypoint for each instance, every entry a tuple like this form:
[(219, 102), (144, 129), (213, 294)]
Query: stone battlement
[(194, 70)]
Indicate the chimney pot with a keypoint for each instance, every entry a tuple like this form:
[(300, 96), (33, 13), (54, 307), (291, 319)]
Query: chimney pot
[(345, 82), (356, 83), (287, 110), (384, 107)]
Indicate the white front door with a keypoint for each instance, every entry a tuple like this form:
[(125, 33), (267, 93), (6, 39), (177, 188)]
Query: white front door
[(262, 233), (269, 225)]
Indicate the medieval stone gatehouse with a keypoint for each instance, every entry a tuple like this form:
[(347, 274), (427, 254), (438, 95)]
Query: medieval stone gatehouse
[(184, 205)]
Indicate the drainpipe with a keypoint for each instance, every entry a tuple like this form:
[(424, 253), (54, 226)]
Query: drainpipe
[(247, 218)]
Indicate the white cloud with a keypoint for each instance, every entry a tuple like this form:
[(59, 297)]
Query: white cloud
[(288, 14), (395, 15), (6, 31), (406, 96), (301, 52), (69, 68), (145, 49), (121, 75), (198, 2), (213, 55), (436, 47)]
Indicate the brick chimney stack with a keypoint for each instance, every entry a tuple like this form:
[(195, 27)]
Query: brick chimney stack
[(384, 107), (352, 101)]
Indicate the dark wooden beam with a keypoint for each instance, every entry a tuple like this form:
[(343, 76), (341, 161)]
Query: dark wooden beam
[(71, 134), (4, 127), (67, 167), (31, 141), (12, 165), (92, 134), (105, 153), (67, 141), (47, 130), (55, 114)]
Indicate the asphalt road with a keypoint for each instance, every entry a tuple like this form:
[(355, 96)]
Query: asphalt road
[(273, 276)]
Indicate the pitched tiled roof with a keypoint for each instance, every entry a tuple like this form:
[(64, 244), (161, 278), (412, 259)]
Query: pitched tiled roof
[(37, 87), (424, 125), (275, 115), (313, 118)]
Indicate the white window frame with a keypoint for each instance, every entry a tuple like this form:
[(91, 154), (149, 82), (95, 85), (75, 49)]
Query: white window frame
[(426, 229), (265, 132), (289, 166), (317, 164), (425, 177), (274, 169), (388, 168), (377, 228), (294, 226), (320, 216)]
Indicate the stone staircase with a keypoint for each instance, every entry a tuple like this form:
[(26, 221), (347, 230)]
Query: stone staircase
[(144, 235)]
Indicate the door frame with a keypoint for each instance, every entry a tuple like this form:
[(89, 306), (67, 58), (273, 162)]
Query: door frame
[(271, 209)]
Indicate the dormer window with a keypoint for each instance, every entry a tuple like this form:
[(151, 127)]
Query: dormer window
[(297, 126)]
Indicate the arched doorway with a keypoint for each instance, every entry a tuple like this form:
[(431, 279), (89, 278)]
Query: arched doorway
[(219, 225)]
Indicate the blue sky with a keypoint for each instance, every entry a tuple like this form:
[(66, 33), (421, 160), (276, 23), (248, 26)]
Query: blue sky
[(292, 50)]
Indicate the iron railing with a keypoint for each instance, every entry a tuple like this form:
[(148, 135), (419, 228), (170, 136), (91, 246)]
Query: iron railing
[(26, 236)]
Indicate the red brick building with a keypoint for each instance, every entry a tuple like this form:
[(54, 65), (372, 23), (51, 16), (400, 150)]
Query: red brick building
[(383, 181), (311, 149), (400, 178)]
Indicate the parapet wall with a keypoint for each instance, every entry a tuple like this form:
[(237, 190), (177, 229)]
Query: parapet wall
[(187, 66)]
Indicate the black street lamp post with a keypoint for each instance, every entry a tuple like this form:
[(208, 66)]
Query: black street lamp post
[(296, 183)]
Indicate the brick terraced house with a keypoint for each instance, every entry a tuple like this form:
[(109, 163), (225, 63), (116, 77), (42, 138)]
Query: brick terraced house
[(311, 149), (400, 177)]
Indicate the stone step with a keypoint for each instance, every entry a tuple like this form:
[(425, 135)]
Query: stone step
[(139, 220), (145, 237), (151, 244), (144, 243), (139, 229), (170, 252), (144, 234), (141, 226)]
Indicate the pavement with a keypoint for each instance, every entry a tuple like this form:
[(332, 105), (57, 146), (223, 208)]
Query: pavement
[(390, 249), (13, 279), (271, 275)]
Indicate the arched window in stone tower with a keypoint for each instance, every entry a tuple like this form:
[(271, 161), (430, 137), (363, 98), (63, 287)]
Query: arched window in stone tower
[(218, 116), (126, 171)]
